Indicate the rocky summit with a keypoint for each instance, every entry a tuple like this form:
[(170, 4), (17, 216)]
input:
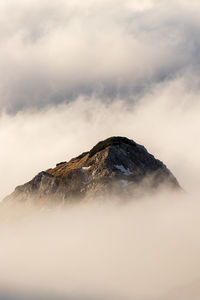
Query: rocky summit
[(117, 166)]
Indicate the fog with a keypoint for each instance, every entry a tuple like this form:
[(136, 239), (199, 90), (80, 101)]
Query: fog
[(74, 73), (144, 250)]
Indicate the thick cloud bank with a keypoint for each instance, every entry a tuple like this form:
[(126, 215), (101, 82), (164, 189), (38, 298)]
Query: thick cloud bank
[(55, 51), (144, 250)]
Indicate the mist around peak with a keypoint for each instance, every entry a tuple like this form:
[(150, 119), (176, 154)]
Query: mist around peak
[(72, 74)]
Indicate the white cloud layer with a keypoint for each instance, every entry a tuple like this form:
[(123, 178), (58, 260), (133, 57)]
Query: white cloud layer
[(145, 250)]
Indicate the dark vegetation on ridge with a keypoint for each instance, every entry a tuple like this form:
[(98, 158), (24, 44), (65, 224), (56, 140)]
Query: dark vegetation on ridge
[(114, 140)]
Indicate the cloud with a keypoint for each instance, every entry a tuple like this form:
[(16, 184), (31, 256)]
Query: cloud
[(147, 250), (55, 51), (131, 69)]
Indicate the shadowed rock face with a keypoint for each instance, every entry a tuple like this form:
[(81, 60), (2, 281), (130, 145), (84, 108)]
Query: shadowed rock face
[(116, 166)]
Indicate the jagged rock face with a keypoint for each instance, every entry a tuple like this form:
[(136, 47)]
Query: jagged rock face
[(116, 166)]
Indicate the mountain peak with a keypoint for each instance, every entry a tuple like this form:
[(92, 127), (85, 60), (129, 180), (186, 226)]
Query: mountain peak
[(115, 166)]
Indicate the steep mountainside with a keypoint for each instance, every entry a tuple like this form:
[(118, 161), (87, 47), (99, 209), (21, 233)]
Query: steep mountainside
[(116, 166)]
